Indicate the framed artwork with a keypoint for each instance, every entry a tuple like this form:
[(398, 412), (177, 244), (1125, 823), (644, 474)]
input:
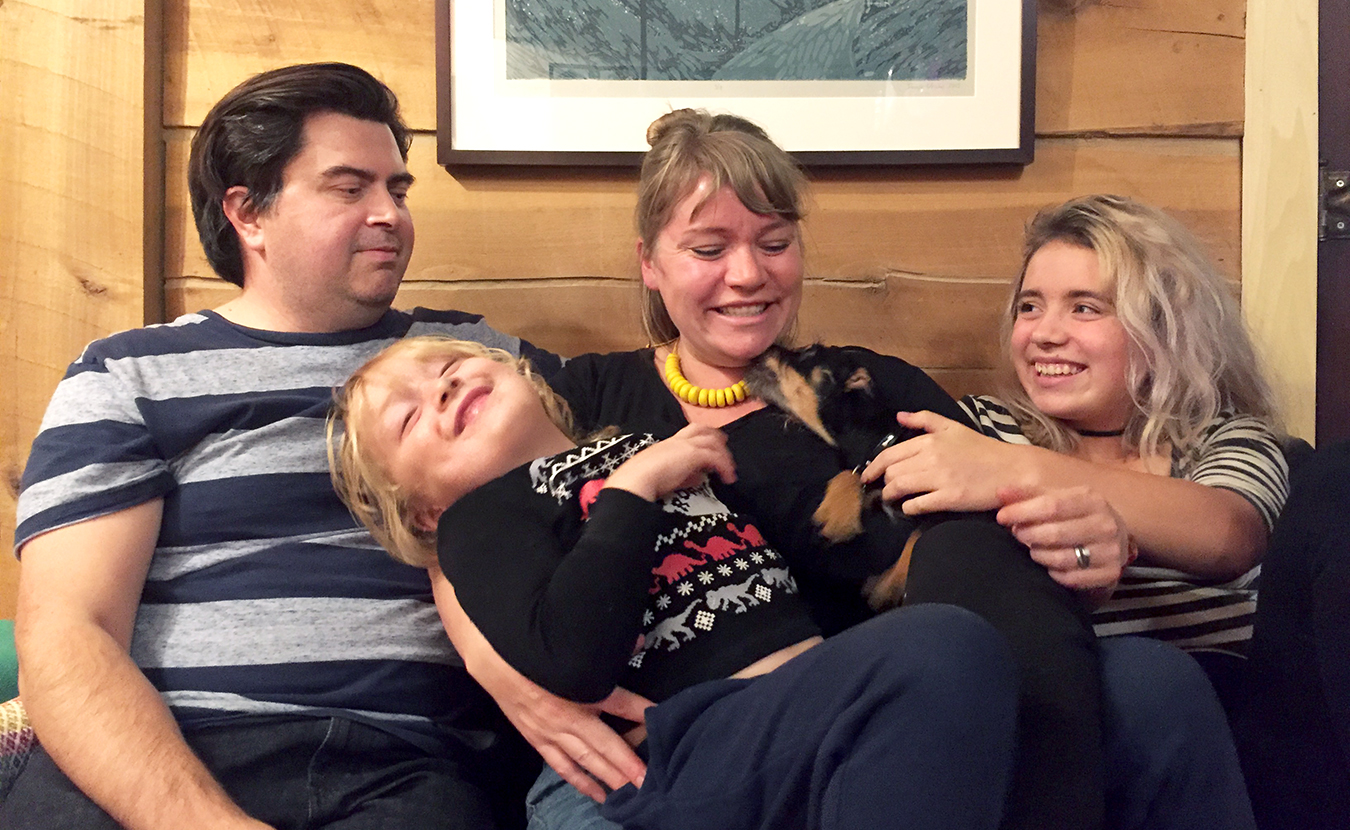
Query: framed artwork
[(835, 82)]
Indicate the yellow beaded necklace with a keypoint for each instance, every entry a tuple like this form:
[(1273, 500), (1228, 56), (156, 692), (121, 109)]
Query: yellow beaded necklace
[(697, 395)]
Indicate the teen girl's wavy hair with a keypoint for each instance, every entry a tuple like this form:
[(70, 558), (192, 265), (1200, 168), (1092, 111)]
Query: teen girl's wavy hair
[(360, 477), (688, 144), (1194, 357)]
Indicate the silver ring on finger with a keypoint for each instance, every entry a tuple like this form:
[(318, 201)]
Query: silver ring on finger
[(1084, 556)]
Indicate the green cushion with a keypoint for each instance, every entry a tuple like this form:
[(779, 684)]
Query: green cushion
[(9, 662)]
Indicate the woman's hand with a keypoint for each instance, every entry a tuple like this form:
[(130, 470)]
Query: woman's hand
[(569, 736), (680, 461), (1055, 523), (949, 467)]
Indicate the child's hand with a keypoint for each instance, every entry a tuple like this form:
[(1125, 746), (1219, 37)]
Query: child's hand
[(678, 462)]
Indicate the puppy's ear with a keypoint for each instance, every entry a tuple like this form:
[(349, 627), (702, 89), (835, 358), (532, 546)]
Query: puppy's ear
[(860, 380)]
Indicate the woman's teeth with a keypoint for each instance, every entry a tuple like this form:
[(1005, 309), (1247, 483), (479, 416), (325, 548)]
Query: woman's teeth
[(743, 310)]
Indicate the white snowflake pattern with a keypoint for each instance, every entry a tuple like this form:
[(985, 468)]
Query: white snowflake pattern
[(648, 617), (705, 577), (757, 558), (663, 602), (684, 589), (636, 660), (763, 592), (741, 564), (703, 620), (724, 570)]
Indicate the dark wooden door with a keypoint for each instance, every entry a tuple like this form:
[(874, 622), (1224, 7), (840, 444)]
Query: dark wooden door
[(1333, 254)]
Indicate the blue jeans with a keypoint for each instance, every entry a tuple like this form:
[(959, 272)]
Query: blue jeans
[(1171, 764), (327, 773)]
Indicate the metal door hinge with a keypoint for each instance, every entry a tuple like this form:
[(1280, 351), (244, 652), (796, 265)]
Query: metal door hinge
[(1333, 205)]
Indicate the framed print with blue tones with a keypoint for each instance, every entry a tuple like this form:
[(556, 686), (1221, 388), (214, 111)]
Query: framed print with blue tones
[(834, 82)]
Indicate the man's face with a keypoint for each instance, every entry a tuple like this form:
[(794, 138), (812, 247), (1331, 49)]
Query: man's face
[(336, 240)]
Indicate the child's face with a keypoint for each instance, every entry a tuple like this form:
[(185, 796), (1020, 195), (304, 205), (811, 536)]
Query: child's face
[(442, 426)]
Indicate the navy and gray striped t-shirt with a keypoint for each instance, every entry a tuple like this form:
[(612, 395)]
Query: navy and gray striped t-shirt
[(264, 596)]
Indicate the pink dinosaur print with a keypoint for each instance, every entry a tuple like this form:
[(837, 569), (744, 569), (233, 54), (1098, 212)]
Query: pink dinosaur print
[(718, 548), (674, 567), (587, 495), (749, 535)]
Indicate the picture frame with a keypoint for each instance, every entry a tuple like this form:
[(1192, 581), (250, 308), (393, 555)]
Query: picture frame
[(509, 92)]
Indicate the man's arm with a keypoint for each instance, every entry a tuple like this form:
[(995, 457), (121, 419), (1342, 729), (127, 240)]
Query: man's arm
[(93, 710)]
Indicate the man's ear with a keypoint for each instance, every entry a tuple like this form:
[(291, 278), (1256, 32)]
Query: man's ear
[(243, 215), (426, 518)]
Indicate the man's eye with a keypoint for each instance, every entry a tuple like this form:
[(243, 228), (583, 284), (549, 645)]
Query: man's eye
[(777, 246), (709, 252)]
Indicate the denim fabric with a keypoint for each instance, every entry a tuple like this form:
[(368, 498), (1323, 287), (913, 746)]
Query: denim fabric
[(1171, 763), (304, 773)]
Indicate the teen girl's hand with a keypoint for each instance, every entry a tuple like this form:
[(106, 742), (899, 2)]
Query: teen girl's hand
[(949, 467), (676, 463), (1073, 531)]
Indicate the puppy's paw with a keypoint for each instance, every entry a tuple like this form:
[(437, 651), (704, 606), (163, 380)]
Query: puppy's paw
[(839, 515)]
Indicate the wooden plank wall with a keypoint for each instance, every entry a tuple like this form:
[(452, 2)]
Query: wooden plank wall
[(1144, 99), (80, 189)]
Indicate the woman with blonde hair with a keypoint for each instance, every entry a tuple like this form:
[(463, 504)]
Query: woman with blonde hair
[(1134, 382)]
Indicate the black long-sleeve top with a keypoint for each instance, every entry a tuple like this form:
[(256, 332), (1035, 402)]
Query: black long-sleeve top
[(582, 588), (782, 467)]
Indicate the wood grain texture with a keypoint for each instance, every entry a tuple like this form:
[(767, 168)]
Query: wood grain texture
[(951, 222), (71, 219), (1147, 67), (1155, 67), (1280, 173), (212, 45)]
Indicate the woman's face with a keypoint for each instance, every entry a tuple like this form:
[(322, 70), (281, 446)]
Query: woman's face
[(1069, 349), (730, 278)]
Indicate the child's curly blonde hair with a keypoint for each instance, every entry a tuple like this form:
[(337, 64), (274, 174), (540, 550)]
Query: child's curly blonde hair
[(360, 478)]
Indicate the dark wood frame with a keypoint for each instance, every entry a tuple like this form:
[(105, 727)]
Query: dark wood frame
[(1023, 154), (1333, 254)]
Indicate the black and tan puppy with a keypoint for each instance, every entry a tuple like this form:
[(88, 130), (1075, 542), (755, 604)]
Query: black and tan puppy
[(836, 398)]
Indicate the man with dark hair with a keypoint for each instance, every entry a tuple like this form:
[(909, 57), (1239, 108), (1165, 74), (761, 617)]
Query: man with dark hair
[(208, 638)]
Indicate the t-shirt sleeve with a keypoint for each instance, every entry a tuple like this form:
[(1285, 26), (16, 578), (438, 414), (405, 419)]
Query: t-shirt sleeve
[(1242, 454), (991, 417), (560, 599), (93, 455)]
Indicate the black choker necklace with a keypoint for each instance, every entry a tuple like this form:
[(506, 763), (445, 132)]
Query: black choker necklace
[(1101, 433)]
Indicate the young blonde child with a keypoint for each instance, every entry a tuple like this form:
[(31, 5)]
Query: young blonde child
[(565, 554)]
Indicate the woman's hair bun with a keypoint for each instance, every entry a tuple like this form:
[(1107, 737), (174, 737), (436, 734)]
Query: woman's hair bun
[(662, 128)]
